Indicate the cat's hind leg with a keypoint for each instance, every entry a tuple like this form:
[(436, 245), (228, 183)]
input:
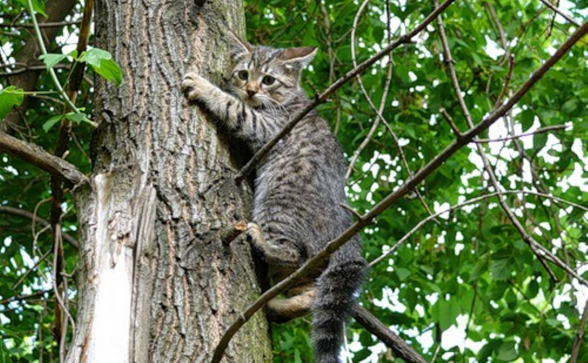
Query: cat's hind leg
[(283, 310), (279, 252)]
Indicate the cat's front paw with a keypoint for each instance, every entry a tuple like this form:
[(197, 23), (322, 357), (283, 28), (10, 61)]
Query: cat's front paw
[(193, 86)]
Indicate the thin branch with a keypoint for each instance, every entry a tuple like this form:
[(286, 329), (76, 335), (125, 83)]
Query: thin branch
[(451, 123), (459, 206), (56, 24), (404, 189), (532, 133), (560, 13), (36, 156), (250, 166), (580, 334), (22, 68), (25, 214), (393, 341), (379, 110), (511, 64), (24, 297)]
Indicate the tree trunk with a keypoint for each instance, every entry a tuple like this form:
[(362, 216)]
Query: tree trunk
[(156, 284)]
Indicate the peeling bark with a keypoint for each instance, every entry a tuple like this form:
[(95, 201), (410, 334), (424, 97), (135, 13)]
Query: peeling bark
[(156, 282)]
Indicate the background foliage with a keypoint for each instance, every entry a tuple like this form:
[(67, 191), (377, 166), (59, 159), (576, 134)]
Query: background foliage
[(464, 287)]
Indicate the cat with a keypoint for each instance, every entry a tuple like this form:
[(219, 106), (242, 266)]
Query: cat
[(299, 186)]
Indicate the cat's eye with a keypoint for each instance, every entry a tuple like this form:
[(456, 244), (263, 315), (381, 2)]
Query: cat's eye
[(244, 75), (268, 80)]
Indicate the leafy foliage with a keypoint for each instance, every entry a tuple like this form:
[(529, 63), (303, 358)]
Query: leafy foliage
[(463, 287)]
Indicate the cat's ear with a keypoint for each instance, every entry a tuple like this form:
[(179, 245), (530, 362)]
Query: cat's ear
[(298, 58), (239, 48)]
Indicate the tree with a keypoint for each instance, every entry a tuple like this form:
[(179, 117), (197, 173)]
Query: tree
[(504, 267)]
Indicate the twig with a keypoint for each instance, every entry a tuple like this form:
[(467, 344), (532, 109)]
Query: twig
[(36, 156), (56, 24), (511, 64), (332, 59), (393, 341), (23, 297), (452, 124), (459, 206), (25, 214), (532, 133), (580, 334), (560, 13), (250, 166), (22, 68), (353, 211), (410, 184), (41, 259), (379, 110)]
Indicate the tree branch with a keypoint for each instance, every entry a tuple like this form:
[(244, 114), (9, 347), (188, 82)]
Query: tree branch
[(250, 166), (459, 206), (411, 183), (560, 13), (25, 214), (392, 341), (36, 156), (532, 133), (580, 334)]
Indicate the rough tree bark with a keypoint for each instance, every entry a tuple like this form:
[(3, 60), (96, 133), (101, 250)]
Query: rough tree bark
[(156, 284)]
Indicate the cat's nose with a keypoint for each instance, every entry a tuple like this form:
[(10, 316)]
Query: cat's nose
[(251, 92)]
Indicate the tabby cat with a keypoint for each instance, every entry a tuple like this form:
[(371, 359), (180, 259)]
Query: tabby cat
[(299, 187)]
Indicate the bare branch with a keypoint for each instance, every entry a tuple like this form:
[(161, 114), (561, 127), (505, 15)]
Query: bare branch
[(250, 166), (57, 24), (392, 341), (459, 206), (532, 133), (410, 184), (35, 155), (25, 214), (560, 13), (452, 124), (580, 334), (24, 297)]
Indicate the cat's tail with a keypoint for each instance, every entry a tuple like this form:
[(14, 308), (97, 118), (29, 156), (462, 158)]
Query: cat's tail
[(336, 289)]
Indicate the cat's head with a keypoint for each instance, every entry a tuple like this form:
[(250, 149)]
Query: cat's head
[(265, 76)]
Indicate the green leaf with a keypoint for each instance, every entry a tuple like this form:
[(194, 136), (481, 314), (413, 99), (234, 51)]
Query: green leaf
[(446, 312), (76, 117), (94, 56), (10, 97), (38, 6), (507, 352), (402, 273), (103, 64), (51, 122), (52, 59), (110, 70), (502, 265)]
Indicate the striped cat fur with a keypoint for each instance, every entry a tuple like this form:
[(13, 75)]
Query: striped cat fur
[(299, 187)]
